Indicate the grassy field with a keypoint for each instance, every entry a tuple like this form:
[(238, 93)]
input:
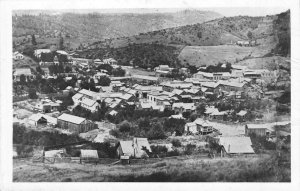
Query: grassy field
[(180, 169), (212, 55)]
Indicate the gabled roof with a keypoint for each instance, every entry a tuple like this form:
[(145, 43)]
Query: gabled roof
[(202, 122), (77, 96), (142, 142), (242, 113), (87, 92), (210, 84), (237, 145), (177, 91), (71, 118), (88, 102), (127, 147), (126, 96)]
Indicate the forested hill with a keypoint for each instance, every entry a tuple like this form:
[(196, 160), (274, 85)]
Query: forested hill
[(98, 26)]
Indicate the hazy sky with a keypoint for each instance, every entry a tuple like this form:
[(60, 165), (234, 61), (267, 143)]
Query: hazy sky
[(258, 11)]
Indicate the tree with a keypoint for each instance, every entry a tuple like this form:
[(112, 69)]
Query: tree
[(33, 41), (201, 109), (118, 72), (124, 126), (32, 93), (156, 132), (104, 81), (61, 43), (250, 35), (23, 79), (68, 69), (193, 69)]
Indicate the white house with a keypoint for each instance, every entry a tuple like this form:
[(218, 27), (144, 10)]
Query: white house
[(89, 104), (18, 56)]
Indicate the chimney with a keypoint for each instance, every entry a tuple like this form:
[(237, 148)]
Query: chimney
[(229, 148)]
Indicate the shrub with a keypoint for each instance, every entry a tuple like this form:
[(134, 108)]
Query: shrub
[(176, 143), (124, 126)]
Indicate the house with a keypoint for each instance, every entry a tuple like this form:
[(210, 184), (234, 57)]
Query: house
[(41, 119), (89, 94), (212, 76), (135, 148), (89, 104), (125, 148), (181, 107), (113, 112), (162, 70), (77, 98), (237, 70), (242, 114), (110, 61), (22, 72), (146, 80), (262, 129), (233, 86), (235, 146), (203, 126), (216, 114), (55, 153), (191, 128), (169, 86), (74, 123), (211, 87), (98, 61), (18, 56)]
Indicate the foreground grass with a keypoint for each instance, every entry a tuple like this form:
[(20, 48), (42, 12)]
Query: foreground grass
[(263, 169)]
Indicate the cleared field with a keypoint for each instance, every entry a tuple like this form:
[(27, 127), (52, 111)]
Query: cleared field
[(271, 63), (181, 169), (212, 55)]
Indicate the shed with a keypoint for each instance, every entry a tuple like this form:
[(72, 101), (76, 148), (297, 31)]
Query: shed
[(89, 154), (236, 145)]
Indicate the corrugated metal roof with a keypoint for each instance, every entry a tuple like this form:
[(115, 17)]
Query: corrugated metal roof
[(237, 145), (71, 118), (127, 147)]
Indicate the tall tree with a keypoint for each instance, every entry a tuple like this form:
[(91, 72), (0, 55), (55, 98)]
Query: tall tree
[(250, 35), (33, 41), (61, 43)]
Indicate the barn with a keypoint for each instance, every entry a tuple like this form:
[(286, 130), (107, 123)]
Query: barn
[(74, 123)]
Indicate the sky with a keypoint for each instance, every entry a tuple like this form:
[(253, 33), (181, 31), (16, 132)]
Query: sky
[(228, 12)]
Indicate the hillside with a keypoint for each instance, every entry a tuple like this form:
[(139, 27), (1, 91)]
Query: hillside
[(175, 169), (206, 43), (85, 28), (211, 33)]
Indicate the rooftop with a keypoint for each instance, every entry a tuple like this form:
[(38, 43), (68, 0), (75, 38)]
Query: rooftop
[(71, 118)]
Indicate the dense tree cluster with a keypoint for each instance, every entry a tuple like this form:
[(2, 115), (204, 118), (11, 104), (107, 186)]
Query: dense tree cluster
[(140, 55), (217, 68)]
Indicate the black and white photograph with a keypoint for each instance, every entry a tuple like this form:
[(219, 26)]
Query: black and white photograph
[(151, 94)]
